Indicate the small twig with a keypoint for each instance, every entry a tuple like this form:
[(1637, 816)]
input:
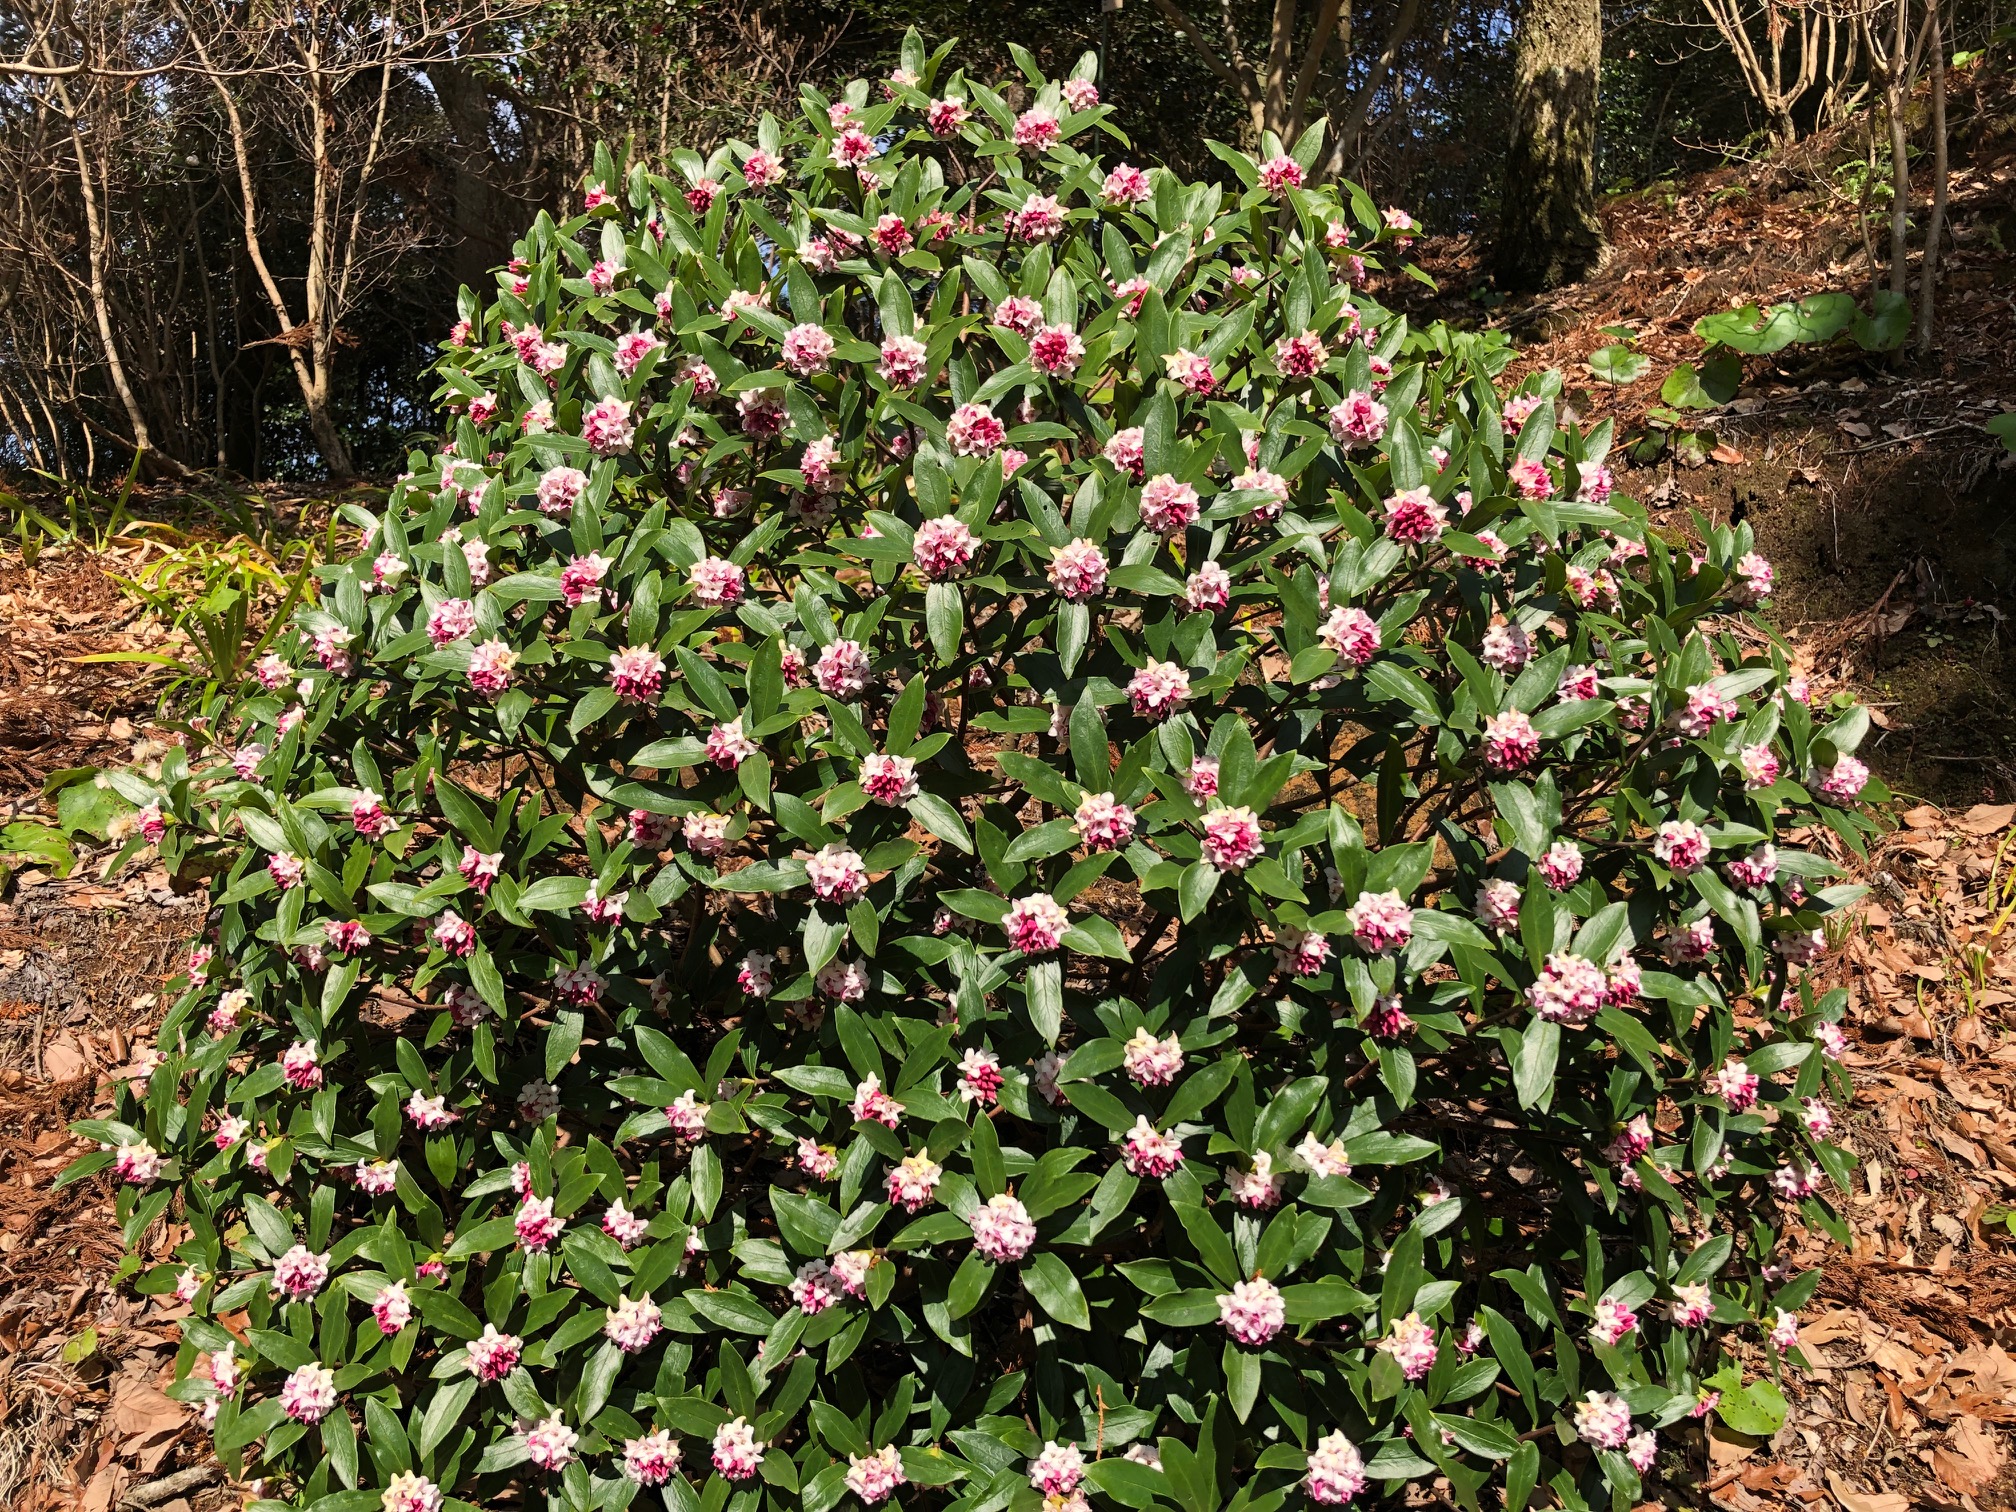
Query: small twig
[(1937, 430), (169, 1486)]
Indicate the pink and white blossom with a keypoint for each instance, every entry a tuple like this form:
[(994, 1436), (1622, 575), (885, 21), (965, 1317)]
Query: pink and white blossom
[(1103, 822), (875, 1477), (1358, 420), (1381, 922), (913, 1182), (631, 1325), (1078, 571), (1035, 924), (1003, 1231), (1253, 1311), (549, 1443), (1411, 1343), (1603, 1419), (1232, 838), (737, 1454), (1681, 846), (1158, 689), (1058, 1469), (300, 1273), (1570, 989), (1511, 744), (1352, 634), (309, 1394), (1336, 1474), (842, 670), (1561, 867), (651, 1460), (943, 546), (1149, 1153), (1150, 1061), (980, 1078), (1612, 1321), (889, 780), (493, 1355)]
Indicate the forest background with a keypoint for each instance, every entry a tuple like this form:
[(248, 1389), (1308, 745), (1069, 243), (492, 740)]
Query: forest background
[(237, 230)]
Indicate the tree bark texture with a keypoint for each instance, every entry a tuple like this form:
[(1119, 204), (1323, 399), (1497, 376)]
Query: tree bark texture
[(1548, 233), (465, 107)]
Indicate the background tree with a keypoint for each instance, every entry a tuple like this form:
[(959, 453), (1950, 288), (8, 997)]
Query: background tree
[(1548, 233), (1291, 72), (135, 315), (1816, 45)]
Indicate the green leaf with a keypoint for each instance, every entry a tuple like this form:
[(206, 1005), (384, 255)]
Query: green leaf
[(1480, 1436), (1183, 1309), (1242, 1379), (1533, 1064), (1051, 1283), (1213, 1248), (444, 1413), (1886, 325), (1758, 1409), (32, 844), (1195, 887), (553, 895), (945, 618), (1128, 1483), (1045, 995), (734, 1310), (1617, 364)]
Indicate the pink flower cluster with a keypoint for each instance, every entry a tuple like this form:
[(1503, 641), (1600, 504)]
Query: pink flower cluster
[(1336, 1471), (1149, 1153), (875, 1477), (1253, 1311), (737, 1454), (1035, 925), (1002, 1229), (1411, 1343), (1150, 1061), (1381, 922), (1569, 990)]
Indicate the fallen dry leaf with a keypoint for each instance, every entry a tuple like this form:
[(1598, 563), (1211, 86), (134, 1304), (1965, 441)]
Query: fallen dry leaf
[(1988, 818), (1728, 1447), (1975, 1459), (63, 1058), (140, 1410), (1728, 455), (1840, 1324), (1992, 1368), (103, 1489), (1865, 1501)]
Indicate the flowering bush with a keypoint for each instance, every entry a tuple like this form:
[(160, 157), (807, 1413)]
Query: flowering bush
[(981, 838)]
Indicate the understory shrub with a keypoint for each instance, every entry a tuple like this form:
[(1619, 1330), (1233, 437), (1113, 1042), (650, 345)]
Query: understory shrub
[(983, 840)]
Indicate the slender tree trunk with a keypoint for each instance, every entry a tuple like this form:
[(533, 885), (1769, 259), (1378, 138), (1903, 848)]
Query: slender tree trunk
[(1900, 193), (309, 358), (101, 305), (317, 389), (1935, 225), (1548, 233), (1897, 90)]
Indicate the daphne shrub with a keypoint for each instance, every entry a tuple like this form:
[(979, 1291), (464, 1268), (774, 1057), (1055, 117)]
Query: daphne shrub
[(982, 839)]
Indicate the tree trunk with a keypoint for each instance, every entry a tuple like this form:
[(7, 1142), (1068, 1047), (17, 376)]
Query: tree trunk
[(1935, 225), (1549, 233), (1900, 193), (465, 107)]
